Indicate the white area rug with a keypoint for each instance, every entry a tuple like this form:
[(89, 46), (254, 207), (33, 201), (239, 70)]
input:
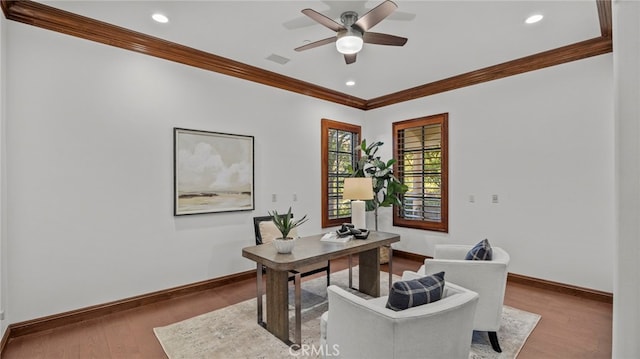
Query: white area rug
[(233, 332)]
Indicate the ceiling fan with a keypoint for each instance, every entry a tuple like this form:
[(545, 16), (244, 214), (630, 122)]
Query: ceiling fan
[(354, 31)]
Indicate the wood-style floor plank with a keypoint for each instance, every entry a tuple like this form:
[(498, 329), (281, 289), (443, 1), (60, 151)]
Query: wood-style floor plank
[(571, 327)]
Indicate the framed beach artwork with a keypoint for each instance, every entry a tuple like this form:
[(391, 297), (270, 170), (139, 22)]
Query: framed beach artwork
[(212, 172)]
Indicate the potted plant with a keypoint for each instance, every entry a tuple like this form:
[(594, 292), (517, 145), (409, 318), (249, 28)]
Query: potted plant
[(285, 223), (387, 189)]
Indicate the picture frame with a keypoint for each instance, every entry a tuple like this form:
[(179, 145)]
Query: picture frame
[(212, 172)]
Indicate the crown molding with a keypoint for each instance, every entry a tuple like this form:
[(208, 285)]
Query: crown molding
[(50, 18), (604, 15), (573, 52)]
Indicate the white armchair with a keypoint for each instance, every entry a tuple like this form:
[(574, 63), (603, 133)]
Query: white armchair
[(487, 278), (354, 327)]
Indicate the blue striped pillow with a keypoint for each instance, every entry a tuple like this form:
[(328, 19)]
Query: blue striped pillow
[(415, 292), (480, 252)]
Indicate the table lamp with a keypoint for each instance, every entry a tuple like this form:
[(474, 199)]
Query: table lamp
[(358, 189)]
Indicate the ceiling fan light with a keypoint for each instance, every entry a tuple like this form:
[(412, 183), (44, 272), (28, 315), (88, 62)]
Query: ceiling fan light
[(349, 43), (533, 19), (160, 18)]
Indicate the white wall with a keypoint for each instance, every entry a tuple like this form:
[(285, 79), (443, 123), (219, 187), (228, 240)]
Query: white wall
[(626, 304), (543, 142), (89, 160)]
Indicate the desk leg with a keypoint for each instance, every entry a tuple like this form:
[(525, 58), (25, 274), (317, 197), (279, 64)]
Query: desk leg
[(259, 295), (369, 276), (350, 272), (298, 314), (278, 304), (390, 266)]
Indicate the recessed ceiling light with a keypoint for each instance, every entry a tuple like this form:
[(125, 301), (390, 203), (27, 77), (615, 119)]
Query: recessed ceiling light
[(160, 18), (350, 83), (533, 19)]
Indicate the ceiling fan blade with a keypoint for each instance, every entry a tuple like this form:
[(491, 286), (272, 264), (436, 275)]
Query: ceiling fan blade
[(349, 59), (316, 44), (383, 39), (323, 20), (376, 15)]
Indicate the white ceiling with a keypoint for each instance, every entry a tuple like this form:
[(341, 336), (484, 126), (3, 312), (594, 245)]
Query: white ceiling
[(446, 38)]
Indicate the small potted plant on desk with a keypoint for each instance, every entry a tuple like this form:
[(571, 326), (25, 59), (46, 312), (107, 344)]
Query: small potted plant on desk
[(284, 223)]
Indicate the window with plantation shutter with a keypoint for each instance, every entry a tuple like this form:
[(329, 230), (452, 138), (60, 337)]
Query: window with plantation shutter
[(420, 147), (340, 150)]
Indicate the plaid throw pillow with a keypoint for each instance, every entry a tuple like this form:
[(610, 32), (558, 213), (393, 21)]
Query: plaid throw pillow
[(480, 252), (415, 292)]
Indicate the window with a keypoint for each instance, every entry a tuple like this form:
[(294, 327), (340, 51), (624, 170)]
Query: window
[(340, 150), (420, 146)]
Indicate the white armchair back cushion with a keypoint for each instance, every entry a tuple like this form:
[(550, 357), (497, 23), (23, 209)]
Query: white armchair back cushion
[(360, 328), (487, 278)]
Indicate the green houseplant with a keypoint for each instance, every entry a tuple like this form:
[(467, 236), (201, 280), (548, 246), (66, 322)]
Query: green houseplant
[(284, 224), (387, 190)]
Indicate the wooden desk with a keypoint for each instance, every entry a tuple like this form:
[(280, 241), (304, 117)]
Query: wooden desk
[(309, 250)]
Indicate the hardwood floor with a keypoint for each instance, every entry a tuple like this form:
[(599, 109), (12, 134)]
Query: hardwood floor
[(570, 327)]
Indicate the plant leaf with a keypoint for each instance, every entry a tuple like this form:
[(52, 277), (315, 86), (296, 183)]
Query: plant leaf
[(285, 223)]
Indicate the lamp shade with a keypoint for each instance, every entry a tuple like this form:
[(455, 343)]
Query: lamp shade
[(358, 188)]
